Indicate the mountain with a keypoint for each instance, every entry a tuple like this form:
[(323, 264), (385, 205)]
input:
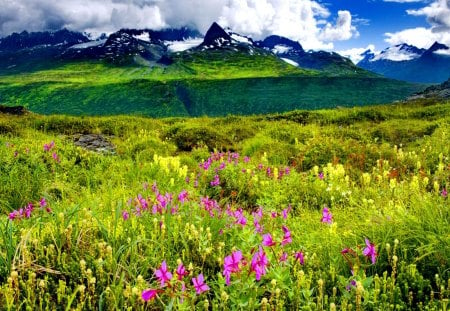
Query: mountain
[(440, 91), (26, 40), (409, 63), (178, 72), (293, 53)]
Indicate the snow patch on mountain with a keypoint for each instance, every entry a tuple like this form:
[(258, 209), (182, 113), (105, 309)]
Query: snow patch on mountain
[(281, 49), (180, 46), (89, 44), (443, 52), (289, 61), (398, 53), (143, 37)]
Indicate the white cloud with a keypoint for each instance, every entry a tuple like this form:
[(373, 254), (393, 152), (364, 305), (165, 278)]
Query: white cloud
[(307, 21), (343, 30), (438, 16), (419, 37), (355, 53)]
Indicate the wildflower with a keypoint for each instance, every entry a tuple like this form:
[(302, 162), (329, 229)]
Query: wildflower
[(321, 176), (350, 285), (125, 215), (48, 147), (327, 217), (259, 263), (246, 159), (267, 240), (287, 239), (444, 193), (183, 196), (222, 166), (163, 274), (56, 157), (274, 214), (181, 272), (285, 212), (258, 226), (42, 203), (215, 182), (199, 284), (231, 265), (370, 251), (284, 257), (149, 294), (240, 218), (300, 257)]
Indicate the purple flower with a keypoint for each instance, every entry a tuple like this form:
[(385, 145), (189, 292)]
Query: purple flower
[(258, 226), (125, 215), (149, 294), (56, 157), (267, 240), (48, 147), (246, 159), (199, 284), (216, 181), (370, 251), (240, 218), (321, 176), (327, 217), (287, 239), (231, 265), (285, 212), (163, 274), (42, 203), (181, 272), (183, 196), (259, 263), (300, 257), (444, 193), (284, 257)]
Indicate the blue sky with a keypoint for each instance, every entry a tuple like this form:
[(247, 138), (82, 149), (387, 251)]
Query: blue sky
[(374, 18)]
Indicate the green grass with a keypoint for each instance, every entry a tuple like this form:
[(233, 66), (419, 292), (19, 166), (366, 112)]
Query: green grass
[(216, 84), (384, 171)]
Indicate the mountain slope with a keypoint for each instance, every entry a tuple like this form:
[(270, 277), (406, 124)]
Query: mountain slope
[(329, 63), (408, 63), (134, 71)]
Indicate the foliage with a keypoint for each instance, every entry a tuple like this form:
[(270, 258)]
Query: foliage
[(316, 210)]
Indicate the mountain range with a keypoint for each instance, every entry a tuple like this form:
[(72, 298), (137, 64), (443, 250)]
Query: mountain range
[(180, 72), (409, 63)]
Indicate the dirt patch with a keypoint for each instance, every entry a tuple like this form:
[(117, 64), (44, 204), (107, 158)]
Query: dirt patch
[(94, 142)]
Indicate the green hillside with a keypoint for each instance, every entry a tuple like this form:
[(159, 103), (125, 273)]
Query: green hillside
[(214, 85)]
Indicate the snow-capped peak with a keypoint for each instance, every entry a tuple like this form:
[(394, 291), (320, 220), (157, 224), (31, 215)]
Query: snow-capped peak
[(398, 53)]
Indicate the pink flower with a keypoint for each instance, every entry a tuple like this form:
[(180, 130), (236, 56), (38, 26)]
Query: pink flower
[(285, 212), (284, 257), (181, 272), (444, 193), (199, 284), (216, 181), (163, 274), (231, 265), (300, 257), (267, 240), (259, 263), (48, 147), (42, 203), (56, 157), (149, 294), (327, 217), (370, 251), (321, 176), (183, 196), (125, 215), (287, 239)]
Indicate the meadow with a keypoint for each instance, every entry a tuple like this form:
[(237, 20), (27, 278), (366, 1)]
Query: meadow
[(343, 209)]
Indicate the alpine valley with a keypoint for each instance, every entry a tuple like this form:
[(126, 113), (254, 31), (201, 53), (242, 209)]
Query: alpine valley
[(180, 72)]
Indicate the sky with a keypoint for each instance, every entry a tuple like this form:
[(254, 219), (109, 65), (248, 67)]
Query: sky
[(349, 26)]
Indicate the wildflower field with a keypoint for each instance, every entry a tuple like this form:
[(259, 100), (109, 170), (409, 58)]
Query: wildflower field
[(343, 209)]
